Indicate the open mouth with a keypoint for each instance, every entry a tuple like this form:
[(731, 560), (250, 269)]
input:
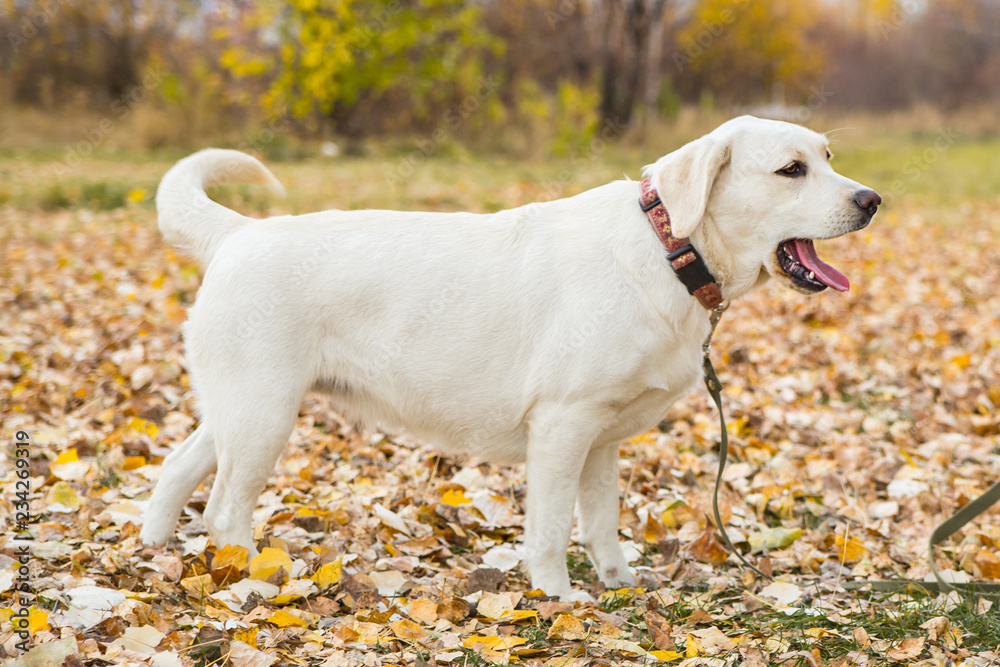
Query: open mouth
[(798, 259)]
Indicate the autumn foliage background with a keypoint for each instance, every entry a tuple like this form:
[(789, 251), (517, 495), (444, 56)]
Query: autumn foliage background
[(857, 422)]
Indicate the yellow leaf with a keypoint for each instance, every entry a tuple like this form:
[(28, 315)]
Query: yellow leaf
[(269, 561), (231, 554), (425, 611), (654, 530), (283, 619), (133, 462), (962, 360), (494, 643), (247, 636), (148, 428), (455, 497), (508, 642), (691, 647), (618, 595), (849, 549), (476, 641), (407, 629), (68, 456), (669, 656), (63, 493), (773, 538), (520, 615), (38, 620), (567, 626), (329, 574)]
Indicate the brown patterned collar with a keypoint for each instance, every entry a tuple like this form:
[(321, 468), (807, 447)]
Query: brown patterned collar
[(684, 259)]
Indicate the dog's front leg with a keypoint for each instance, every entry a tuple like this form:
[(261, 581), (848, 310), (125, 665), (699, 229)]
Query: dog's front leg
[(554, 462), (597, 505)]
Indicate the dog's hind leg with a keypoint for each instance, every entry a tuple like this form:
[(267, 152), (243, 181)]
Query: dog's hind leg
[(183, 470), (249, 438)]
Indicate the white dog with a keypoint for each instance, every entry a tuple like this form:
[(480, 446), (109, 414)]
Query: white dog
[(547, 333)]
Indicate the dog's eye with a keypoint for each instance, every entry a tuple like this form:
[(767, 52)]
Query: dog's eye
[(795, 169), (829, 155)]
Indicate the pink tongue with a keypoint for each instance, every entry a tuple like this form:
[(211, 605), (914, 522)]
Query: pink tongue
[(825, 273)]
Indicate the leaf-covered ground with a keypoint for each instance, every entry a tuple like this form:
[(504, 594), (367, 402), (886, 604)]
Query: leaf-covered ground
[(858, 423)]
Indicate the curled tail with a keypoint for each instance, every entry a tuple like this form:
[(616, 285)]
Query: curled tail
[(187, 217)]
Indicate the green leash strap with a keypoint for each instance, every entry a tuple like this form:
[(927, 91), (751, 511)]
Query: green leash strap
[(941, 533), (715, 391), (951, 526)]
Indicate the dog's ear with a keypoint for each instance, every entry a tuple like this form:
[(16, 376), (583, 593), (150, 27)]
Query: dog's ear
[(684, 180)]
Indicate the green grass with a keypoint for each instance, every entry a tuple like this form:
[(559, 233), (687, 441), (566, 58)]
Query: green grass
[(939, 168)]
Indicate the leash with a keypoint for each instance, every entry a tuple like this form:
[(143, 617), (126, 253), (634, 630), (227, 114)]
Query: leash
[(945, 530), (694, 274), (714, 387), (951, 526)]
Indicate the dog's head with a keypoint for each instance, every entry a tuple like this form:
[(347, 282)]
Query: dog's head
[(753, 195)]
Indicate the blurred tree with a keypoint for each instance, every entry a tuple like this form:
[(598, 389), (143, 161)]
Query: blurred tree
[(53, 51), (748, 50), (338, 57), (628, 53)]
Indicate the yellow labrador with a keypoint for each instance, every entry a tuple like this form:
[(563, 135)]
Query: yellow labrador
[(546, 333)]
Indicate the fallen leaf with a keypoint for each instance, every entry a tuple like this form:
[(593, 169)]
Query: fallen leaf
[(907, 649), (567, 626), (781, 591), (283, 619), (773, 538), (328, 574), (268, 563)]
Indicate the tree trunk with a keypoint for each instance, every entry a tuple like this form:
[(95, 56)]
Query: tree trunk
[(609, 84), (621, 92), (654, 57)]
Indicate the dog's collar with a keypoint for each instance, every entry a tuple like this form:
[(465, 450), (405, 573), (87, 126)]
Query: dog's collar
[(684, 259)]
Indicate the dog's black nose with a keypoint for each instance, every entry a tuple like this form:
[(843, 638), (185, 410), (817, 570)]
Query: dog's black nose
[(868, 201)]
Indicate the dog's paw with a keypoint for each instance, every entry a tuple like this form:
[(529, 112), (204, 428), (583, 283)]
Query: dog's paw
[(576, 596), (618, 577), (153, 535), (627, 581)]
